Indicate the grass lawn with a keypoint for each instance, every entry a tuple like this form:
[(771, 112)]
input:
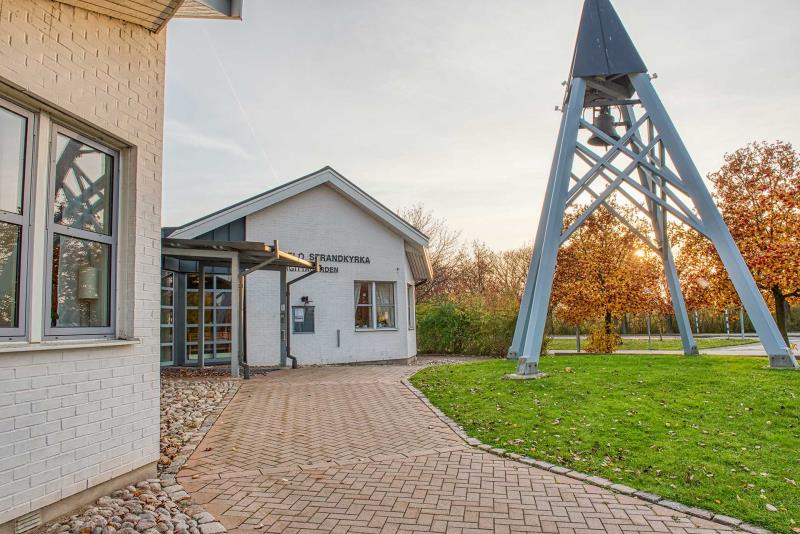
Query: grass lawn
[(667, 344), (721, 433)]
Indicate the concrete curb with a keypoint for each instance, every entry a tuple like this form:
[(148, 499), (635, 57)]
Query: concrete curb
[(583, 477), (207, 523)]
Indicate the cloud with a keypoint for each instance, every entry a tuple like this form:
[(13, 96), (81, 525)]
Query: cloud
[(183, 134)]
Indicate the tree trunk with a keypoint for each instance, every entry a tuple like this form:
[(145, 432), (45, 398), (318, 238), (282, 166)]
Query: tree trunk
[(780, 312), (608, 320)]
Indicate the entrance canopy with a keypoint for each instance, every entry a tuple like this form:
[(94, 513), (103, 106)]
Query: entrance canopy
[(252, 254), (243, 258)]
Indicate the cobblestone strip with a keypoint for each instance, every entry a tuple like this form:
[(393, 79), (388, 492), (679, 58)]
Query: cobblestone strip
[(583, 477), (206, 523)]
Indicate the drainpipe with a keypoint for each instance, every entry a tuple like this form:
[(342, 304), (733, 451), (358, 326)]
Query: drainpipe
[(289, 313)]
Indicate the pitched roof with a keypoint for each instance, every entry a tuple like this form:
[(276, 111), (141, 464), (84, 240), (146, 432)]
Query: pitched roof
[(415, 240), (327, 176)]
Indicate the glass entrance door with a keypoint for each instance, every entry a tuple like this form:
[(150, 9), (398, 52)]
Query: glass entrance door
[(167, 317), (217, 313)]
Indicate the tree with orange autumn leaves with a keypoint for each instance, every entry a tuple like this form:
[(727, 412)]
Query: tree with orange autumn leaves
[(604, 270), (758, 193)]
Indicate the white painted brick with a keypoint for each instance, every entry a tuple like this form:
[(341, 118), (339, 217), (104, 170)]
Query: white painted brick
[(24, 446), (60, 391), (7, 425), (30, 395), (45, 381), (76, 421), (46, 428), (24, 421), (14, 436), (45, 452), (110, 74), (60, 413), (47, 404), (75, 400), (58, 437), (10, 386), (10, 462)]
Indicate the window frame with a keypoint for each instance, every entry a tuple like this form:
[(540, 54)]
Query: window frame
[(411, 304), (373, 306), (23, 220), (305, 318), (171, 326), (52, 228)]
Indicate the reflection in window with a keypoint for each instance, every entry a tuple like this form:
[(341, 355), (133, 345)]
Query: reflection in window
[(83, 184), (13, 129), (10, 240), (303, 319), (14, 223), (81, 285), (216, 315), (167, 316)]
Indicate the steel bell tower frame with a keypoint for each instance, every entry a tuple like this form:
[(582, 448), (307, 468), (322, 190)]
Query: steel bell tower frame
[(647, 166)]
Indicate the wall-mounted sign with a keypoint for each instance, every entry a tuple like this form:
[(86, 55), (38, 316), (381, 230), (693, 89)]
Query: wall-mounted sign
[(328, 258)]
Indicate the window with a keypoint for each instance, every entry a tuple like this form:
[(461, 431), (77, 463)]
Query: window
[(374, 305), (82, 236), (411, 301), (16, 149), (167, 317), (303, 319), (217, 316)]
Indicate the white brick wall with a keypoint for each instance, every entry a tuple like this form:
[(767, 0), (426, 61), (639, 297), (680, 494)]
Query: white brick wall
[(321, 220), (71, 419)]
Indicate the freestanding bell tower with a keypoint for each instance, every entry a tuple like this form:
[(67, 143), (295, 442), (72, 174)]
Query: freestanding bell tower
[(645, 164)]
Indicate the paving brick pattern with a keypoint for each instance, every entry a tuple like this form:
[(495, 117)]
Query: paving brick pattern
[(351, 449)]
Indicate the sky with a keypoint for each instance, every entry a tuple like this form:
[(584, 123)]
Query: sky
[(448, 103)]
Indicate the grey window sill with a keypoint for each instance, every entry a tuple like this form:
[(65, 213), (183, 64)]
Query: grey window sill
[(24, 346), (376, 329)]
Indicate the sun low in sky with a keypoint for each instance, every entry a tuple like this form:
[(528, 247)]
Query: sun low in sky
[(448, 103)]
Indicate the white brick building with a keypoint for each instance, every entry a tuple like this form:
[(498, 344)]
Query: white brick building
[(359, 308), (81, 121)]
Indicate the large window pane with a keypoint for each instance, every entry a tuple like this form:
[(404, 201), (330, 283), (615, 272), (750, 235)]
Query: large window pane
[(12, 160), (385, 317), (384, 293), (363, 292), (83, 183), (81, 285), (363, 317), (10, 239)]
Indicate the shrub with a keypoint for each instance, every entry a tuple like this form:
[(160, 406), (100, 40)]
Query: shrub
[(464, 327), (603, 340), (546, 342)]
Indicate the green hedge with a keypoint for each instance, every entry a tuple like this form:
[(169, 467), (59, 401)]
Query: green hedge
[(448, 327)]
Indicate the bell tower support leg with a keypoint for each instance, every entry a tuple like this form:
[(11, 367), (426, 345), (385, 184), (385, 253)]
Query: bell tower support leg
[(676, 295), (523, 317), (779, 354), (658, 218), (554, 219)]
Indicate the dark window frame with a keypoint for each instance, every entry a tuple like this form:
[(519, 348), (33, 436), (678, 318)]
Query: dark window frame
[(305, 320), (53, 228), (23, 220)]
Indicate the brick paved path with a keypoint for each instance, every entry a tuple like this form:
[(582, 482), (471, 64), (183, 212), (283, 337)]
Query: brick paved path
[(351, 449)]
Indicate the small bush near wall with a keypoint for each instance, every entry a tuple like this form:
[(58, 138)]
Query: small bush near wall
[(464, 327)]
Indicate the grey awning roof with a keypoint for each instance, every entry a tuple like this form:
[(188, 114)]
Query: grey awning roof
[(250, 252)]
